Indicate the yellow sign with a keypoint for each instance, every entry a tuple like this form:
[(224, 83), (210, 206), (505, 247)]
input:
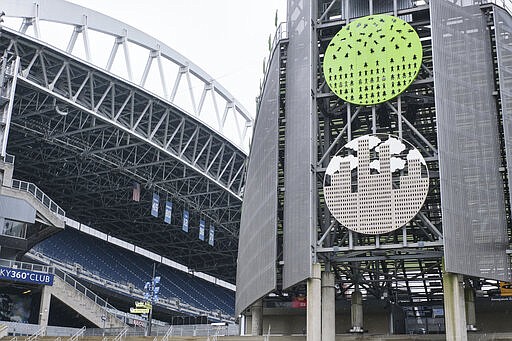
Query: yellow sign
[(143, 305), (505, 289), (139, 310)]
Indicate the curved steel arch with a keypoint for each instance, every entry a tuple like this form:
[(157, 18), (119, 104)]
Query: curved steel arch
[(157, 123), (84, 135), (84, 19)]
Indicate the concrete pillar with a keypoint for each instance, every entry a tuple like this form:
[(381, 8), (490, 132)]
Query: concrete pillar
[(314, 310), (242, 325), (454, 310), (469, 296), (44, 308), (328, 307), (357, 312), (257, 318)]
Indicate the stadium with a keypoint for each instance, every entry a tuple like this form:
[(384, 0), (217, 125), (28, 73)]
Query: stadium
[(369, 199)]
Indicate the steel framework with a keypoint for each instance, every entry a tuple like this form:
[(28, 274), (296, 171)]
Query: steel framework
[(405, 266), (85, 135)]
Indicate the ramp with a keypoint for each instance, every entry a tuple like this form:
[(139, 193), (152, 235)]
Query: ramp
[(80, 299)]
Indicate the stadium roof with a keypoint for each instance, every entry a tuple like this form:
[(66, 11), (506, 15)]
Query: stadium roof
[(87, 132)]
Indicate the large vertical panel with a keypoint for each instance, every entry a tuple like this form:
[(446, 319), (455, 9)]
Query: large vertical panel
[(472, 196), (503, 27), (256, 269), (299, 182)]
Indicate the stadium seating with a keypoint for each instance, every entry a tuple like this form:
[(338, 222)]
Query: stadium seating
[(119, 265)]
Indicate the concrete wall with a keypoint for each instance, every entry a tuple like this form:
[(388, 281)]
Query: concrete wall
[(492, 316), (289, 323)]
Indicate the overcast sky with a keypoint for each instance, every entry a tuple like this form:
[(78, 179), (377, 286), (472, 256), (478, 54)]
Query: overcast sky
[(226, 38)]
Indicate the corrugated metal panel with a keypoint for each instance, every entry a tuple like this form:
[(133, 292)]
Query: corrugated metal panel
[(503, 29), (299, 202), (17, 209), (257, 250), (472, 196)]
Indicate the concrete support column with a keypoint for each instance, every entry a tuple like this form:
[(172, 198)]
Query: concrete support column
[(357, 312), (454, 308), (44, 308), (242, 325), (314, 310), (328, 307), (469, 296), (257, 318)]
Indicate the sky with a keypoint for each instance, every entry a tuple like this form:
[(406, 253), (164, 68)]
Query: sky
[(226, 38)]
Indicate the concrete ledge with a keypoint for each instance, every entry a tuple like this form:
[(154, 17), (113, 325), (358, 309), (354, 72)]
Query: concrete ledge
[(51, 217)]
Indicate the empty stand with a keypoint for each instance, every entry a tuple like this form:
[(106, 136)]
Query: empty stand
[(116, 264)]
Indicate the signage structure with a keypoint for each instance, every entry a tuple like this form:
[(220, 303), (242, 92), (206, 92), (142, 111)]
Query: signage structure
[(373, 59), (26, 276), (139, 310), (376, 184)]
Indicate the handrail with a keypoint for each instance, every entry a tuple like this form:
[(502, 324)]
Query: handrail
[(121, 335), (39, 333), (168, 333), (280, 34), (26, 266), (39, 195), (79, 333), (81, 288), (267, 337), (3, 330)]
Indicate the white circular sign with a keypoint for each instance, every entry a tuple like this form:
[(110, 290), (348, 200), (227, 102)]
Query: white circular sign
[(376, 184)]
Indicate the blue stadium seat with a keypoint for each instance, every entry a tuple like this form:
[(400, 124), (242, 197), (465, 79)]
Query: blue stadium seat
[(119, 265)]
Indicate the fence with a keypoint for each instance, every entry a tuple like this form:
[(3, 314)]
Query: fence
[(18, 329), (169, 331), (39, 195)]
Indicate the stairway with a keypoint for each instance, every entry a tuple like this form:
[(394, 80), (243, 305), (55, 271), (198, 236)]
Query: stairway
[(84, 302)]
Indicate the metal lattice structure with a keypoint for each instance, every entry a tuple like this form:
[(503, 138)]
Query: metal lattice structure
[(84, 135), (403, 266)]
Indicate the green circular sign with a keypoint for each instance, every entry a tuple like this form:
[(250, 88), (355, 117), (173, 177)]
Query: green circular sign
[(373, 59)]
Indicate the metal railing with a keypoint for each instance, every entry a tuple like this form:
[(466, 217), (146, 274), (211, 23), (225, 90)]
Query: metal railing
[(26, 266), (168, 333), (281, 34), (26, 329), (38, 334), (78, 334), (122, 334), (82, 289), (39, 195), (506, 4)]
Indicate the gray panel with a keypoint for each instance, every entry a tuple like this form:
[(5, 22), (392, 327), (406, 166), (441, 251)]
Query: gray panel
[(17, 209), (257, 250), (472, 196), (299, 203), (503, 25)]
